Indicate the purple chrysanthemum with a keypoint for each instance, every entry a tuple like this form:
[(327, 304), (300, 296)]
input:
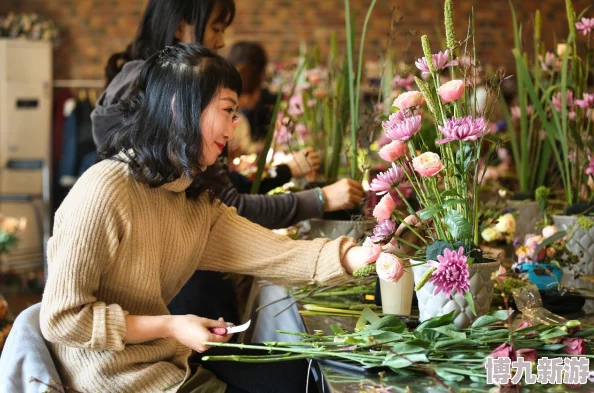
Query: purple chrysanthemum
[(383, 231), (451, 274), (400, 127), (587, 102), (464, 129), (441, 60), (387, 180)]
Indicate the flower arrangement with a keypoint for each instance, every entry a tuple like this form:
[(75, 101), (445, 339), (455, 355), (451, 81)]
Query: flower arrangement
[(29, 26), (566, 109), (445, 182)]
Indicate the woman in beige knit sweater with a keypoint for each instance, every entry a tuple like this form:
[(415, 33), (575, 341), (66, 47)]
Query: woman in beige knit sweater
[(138, 224)]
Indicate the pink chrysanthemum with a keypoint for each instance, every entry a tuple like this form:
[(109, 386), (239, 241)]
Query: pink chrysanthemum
[(441, 60), (387, 180), (451, 274), (464, 129), (586, 25), (587, 102), (383, 231), (399, 127)]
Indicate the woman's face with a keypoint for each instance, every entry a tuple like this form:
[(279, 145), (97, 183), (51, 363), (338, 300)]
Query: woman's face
[(217, 123), (214, 32)]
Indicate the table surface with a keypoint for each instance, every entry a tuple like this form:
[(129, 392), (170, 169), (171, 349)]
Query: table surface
[(344, 381)]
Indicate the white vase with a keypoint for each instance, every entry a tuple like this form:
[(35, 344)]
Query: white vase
[(481, 287), (397, 296)]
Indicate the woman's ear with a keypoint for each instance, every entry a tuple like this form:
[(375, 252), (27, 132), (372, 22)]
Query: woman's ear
[(184, 32)]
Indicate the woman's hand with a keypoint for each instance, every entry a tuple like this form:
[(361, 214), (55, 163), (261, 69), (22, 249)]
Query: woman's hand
[(344, 194), (193, 331), (304, 162)]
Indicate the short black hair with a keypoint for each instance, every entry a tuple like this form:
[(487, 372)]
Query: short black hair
[(161, 120)]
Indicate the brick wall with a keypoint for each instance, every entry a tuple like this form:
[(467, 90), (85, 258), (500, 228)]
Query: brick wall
[(93, 29)]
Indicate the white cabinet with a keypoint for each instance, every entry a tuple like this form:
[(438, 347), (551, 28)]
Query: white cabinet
[(25, 132)]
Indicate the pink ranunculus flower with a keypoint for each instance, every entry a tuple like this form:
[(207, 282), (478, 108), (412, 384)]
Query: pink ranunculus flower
[(389, 267), (549, 231), (574, 346), (373, 251), (409, 99), (529, 354), (427, 164), (451, 91), (385, 207), (393, 151), (504, 351), (586, 25)]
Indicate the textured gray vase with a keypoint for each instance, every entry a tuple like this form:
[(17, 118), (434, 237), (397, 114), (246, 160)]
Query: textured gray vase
[(528, 213), (333, 229), (580, 242), (481, 287)]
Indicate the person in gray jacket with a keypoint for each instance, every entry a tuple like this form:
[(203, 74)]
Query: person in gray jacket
[(164, 23)]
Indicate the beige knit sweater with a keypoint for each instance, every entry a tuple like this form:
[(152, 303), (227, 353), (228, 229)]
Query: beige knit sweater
[(120, 247)]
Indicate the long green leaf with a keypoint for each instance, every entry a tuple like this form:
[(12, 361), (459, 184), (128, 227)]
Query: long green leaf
[(262, 158)]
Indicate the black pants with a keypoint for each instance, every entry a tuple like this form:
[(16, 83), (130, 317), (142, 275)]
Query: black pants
[(208, 295), (279, 377)]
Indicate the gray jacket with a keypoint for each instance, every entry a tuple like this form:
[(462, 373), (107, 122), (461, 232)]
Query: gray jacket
[(278, 211)]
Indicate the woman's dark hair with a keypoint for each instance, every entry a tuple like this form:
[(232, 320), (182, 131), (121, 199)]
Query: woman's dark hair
[(245, 52), (250, 60), (160, 21), (161, 120)]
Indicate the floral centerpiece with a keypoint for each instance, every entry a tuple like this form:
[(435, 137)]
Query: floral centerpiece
[(446, 184), (29, 26)]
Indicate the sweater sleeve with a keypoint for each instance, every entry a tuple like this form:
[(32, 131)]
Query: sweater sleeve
[(275, 211), (239, 246), (86, 238)]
